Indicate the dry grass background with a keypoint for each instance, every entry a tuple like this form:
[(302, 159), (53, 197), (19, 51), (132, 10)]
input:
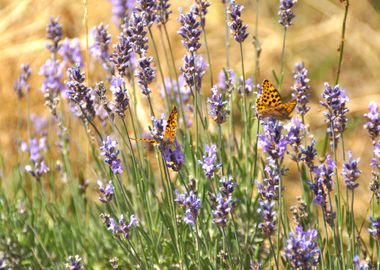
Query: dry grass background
[(314, 38)]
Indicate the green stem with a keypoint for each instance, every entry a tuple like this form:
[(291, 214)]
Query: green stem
[(341, 47)]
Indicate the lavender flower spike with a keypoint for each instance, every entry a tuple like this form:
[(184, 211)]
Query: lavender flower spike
[(122, 55), (121, 228), (374, 229), (74, 263), (145, 74), (190, 31), (351, 172), (209, 159), (106, 191), (21, 84), (217, 106), (71, 52), (163, 12), (191, 203), (301, 249), (373, 118), (174, 157), (120, 96), (54, 33), (286, 14), (102, 39), (239, 30), (301, 88), (110, 153)]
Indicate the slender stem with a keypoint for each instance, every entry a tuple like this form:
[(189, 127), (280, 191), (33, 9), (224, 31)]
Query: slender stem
[(274, 256), (257, 44), (282, 58), (227, 34), (341, 47), (208, 56), (246, 124)]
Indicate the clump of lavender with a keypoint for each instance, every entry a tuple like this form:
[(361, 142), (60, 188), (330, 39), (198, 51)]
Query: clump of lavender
[(74, 263), (120, 9), (217, 106), (295, 135), (54, 34), (223, 204), (145, 74), (335, 100), (110, 153), (79, 94), (301, 88), (38, 167), (163, 12), (70, 51), (147, 9), (136, 33), (106, 191), (239, 30), (191, 204), (208, 163), (286, 13), (373, 118), (122, 56), (322, 187), (52, 71), (374, 228), (189, 30), (249, 87), (273, 141), (173, 155), (301, 249), (308, 154), (21, 84), (351, 172), (102, 40), (201, 7), (120, 96), (121, 228), (193, 69)]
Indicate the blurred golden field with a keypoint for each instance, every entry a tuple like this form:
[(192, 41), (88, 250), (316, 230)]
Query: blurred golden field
[(314, 39)]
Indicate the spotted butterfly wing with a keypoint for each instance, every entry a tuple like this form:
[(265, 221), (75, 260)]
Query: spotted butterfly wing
[(270, 104), (171, 126)]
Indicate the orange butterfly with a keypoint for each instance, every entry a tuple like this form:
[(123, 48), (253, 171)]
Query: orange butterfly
[(270, 104), (170, 130)]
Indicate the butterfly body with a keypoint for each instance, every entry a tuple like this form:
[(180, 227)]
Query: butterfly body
[(170, 130), (270, 104)]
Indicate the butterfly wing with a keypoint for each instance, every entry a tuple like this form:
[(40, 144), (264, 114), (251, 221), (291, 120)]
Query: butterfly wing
[(151, 141), (270, 97), (171, 126), (282, 111)]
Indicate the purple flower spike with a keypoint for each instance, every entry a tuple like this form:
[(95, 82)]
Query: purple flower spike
[(53, 74), (351, 172), (110, 153), (70, 51), (295, 135), (145, 74), (163, 12), (106, 192), (173, 155), (21, 84), (308, 154), (201, 10), (193, 70), (120, 96), (217, 106), (374, 228), (191, 204), (54, 33), (119, 229), (301, 88), (268, 215), (335, 101), (102, 40), (74, 263), (286, 13), (38, 167), (147, 9), (120, 9), (136, 33), (190, 31), (373, 118), (367, 265), (209, 159), (239, 30), (301, 249), (122, 56)]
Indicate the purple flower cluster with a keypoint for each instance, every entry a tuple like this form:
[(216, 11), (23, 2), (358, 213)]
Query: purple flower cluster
[(52, 71), (136, 33), (375, 161), (226, 80), (145, 74), (38, 167), (201, 7), (248, 86), (191, 204), (239, 30), (163, 12), (295, 135), (367, 265), (217, 106), (120, 9), (54, 34), (223, 204), (286, 13), (70, 51), (102, 40), (120, 96), (122, 56), (335, 100), (351, 172), (193, 69), (147, 9), (119, 229), (21, 84), (190, 30), (373, 118), (110, 153), (173, 155), (301, 88), (308, 154), (273, 141), (74, 263), (374, 229), (301, 249), (208, 163), (322, 187), (106, 191)]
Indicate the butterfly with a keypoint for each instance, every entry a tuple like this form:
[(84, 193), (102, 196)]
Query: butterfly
[(170, 130), (270, 104)]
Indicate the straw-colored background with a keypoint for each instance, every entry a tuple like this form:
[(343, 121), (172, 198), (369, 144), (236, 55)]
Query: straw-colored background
[(314, 38)]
